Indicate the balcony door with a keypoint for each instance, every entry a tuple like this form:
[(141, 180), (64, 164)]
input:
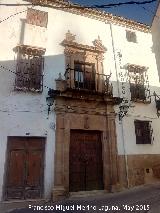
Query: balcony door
[(84, 75)]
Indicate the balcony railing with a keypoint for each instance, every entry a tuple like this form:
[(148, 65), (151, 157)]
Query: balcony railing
[(137, 92), (88, 81)]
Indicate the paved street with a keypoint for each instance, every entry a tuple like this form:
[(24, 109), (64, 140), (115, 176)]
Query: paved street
[(141, 199)]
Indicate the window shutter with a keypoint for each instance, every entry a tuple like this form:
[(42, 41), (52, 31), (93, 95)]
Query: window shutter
[(133, 91), (84, 75), (36, 73), (138, 132), (146, 133), (141, 92)]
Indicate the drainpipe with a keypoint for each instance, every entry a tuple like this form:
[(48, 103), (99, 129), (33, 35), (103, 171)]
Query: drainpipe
[(122, 125), (110, 151)]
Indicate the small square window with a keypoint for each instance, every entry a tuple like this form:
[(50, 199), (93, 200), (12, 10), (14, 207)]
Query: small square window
[(131, 36)]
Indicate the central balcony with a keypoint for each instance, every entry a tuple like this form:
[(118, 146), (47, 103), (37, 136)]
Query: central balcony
[(89, 82)]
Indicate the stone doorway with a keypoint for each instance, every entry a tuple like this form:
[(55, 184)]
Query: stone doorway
[(66, 124)]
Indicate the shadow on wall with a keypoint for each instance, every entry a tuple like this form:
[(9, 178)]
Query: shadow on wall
[(53, 65)]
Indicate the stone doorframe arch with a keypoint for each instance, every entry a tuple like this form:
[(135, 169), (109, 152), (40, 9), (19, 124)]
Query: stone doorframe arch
[(72, 117)]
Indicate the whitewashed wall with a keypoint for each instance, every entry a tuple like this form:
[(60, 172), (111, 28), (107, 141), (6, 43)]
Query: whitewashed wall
[(139, 53), (155, 29), (24, 112)]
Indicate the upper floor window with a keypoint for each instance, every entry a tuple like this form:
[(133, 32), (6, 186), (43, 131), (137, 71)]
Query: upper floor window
[(84, 75), (37, 17), (143, 132), (131, 36), (137, 81), (29, 71), (85, 69)]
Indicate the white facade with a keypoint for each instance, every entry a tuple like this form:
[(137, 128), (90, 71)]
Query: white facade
[(25, 113), (139, 53), (155, 35)]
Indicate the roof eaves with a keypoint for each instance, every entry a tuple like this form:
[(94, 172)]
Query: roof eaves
[(92, 13)]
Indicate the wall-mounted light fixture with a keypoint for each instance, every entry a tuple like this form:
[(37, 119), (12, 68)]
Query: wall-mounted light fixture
[(124, 106), (157, 101), (51, 96), (50, 102)]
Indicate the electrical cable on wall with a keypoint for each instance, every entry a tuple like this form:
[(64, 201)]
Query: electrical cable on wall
[(87, 6), (12, 16), (104, 6)]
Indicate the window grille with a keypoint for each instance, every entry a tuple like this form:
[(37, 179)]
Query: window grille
[(29, 71), (143, 131), (137, 79), (137, 92)]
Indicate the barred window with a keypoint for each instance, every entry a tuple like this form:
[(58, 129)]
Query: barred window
[(143, 132), (37, 17), (137, 92), (29, 71), (137, 80), (131, 36)]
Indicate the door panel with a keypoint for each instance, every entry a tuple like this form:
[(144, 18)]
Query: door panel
[(34, 174), (24, 177), (34, 168), (94, 152), (77, 169), (86, 166), (16, 175), (16, 167)]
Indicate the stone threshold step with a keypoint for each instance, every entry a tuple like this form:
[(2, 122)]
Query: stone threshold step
[(87, 193)]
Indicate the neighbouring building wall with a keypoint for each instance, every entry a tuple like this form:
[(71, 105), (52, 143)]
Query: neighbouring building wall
[(155, 37), (136, 158)]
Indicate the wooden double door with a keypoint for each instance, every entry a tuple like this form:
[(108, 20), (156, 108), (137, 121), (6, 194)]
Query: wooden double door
[(24, 172), (85, 161)]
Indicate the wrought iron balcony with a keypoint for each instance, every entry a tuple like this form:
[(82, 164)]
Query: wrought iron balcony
[(88, 81), (137, 92), (140, 93)]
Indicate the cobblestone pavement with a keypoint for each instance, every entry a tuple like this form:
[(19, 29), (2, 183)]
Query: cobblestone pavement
[(138, 200)]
